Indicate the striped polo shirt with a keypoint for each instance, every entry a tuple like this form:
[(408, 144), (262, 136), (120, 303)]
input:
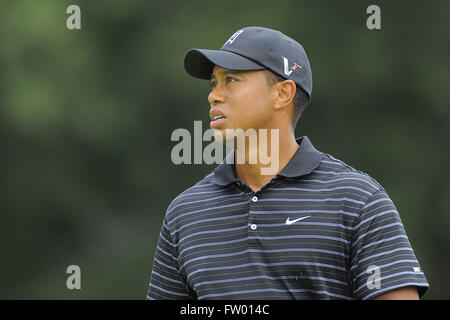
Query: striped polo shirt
[(318, 230)]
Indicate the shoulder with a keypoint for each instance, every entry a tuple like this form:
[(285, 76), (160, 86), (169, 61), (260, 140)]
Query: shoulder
[(361, 194), (202, 190), (339, 175)]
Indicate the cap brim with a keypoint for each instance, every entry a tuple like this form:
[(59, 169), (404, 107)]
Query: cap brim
[(200, 63)]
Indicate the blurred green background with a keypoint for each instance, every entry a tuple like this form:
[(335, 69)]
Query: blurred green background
[(86, 117)]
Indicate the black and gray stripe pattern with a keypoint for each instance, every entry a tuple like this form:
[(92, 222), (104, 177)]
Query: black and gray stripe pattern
[(313, 232)]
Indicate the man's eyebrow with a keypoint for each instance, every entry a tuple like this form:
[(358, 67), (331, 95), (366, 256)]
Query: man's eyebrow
[(226, 72)]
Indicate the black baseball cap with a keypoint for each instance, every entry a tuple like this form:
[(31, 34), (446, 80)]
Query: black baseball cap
[(254, 48)]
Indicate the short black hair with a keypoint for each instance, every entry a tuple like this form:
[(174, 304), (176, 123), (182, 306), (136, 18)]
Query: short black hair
[(301, 98)]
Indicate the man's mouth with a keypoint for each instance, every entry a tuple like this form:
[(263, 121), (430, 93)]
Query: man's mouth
[(217, 121)]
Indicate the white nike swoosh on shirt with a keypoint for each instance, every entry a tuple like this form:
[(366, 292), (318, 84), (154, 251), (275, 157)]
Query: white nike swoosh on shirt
[(289, 221)]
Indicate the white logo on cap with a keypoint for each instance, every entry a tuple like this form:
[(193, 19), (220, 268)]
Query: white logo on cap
[(234, 36), (286, 67)]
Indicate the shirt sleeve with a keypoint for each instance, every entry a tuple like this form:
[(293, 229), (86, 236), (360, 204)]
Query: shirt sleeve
[(382, 258), (166, 282)]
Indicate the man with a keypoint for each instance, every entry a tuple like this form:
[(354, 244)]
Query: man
[(315, 228)]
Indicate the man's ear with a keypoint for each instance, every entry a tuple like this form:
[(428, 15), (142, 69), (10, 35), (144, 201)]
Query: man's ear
[(284, 95)]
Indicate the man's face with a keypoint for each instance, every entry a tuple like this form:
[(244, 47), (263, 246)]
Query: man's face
[(243, 98)]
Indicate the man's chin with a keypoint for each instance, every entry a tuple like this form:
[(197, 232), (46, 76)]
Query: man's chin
[(223, 136)]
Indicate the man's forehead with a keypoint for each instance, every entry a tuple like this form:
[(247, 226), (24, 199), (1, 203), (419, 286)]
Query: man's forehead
[(219, 71), (222, 71)]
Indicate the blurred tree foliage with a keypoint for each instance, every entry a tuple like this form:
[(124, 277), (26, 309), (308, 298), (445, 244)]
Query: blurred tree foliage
[(86, 117)]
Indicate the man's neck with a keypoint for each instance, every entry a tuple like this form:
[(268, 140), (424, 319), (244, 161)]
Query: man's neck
[(256, 175)]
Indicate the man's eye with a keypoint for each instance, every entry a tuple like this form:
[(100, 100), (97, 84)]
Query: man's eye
[(230, 79), (212, 84)]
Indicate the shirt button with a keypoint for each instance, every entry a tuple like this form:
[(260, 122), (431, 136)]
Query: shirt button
[(255, 198), (253, 227)]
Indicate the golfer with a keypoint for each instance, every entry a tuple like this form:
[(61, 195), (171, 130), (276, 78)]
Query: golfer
[(314, 228)]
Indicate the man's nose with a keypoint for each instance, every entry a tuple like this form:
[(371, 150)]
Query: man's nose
[(215, 96)]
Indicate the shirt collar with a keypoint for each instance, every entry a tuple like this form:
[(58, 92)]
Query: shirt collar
[(304, 161)]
